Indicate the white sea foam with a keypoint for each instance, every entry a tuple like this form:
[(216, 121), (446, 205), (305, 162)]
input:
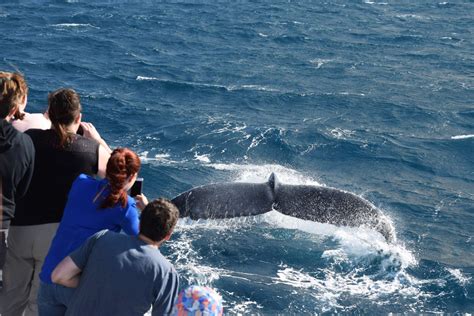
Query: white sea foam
[(75, 25), (340, 133), (162, 158), (462, 136), (354, 246), (412, 16), (260, 173), (258, 88), (462, 279), (319, 62), (241, 308), (202, 158), (351, 93), (373, 2), (142, 78), (254, 87)]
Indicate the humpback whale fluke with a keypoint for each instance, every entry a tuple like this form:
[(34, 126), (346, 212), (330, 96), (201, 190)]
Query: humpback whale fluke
[(309, 202)]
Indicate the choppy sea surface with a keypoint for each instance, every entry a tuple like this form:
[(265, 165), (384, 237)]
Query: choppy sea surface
[(373, 97)]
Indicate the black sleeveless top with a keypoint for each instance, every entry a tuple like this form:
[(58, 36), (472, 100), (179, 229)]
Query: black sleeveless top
[(55, 170)]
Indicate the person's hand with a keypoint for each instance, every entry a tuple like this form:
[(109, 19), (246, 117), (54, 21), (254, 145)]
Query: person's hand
[(90, 131), (141, 201)]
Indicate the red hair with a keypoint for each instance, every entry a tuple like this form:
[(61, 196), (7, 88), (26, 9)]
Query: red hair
[(122, 165)]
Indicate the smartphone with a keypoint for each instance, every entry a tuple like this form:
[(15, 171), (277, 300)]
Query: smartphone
[(80, 130), (137, 187)]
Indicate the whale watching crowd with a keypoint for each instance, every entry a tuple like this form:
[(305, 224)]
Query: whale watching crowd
[(72, 239)]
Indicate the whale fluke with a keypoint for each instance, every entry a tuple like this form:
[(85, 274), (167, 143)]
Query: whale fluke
[(308, 202)]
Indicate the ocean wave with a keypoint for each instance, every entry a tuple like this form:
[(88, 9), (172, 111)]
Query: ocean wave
[(162, 158), (204, 158), (412, 16), (373, 2), (319, 62), (462, 136), (74, 25), (374, 269), (459, 276), (254, 87), (340, 133)]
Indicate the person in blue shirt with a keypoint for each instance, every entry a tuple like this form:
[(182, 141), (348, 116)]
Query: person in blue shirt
[(120, 275), (94, 205)]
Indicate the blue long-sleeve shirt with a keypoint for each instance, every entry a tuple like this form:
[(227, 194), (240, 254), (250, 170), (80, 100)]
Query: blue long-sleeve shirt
[(83, 217)]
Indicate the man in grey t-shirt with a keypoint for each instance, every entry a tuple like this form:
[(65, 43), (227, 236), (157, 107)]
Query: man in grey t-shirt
[(116, 274)]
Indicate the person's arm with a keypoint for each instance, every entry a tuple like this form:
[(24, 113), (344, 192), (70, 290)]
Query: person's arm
[(131, 223), (66, 273), (164, 303), (91, 132), (104, 156), (141, 201), (104, 149)]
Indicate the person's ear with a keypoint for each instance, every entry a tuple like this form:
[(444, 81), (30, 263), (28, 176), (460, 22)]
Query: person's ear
[(78, 119), (24, 101), (167, 237)]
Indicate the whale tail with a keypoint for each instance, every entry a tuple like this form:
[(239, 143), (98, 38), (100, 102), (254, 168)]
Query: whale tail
[(320, 204)]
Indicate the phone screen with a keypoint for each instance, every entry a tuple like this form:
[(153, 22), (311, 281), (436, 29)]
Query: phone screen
[(136, 188)]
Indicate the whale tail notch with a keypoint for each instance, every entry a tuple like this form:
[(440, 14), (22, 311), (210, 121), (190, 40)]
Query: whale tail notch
[(273, 183)]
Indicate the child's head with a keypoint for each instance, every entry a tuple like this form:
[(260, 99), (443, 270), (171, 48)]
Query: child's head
[(198, 301)]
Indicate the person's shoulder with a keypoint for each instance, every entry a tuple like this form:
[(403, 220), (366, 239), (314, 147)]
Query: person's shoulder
[(165, 265), (85, 140), (104, 233), (84, 180), (26, 142), (131, 203), (84, 144), (34, 132), (39, 135)]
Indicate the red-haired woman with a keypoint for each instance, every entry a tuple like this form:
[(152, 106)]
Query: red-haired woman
[(93, 205), (60, 156)]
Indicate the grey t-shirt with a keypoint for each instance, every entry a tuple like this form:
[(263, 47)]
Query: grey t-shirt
[(122, 275)]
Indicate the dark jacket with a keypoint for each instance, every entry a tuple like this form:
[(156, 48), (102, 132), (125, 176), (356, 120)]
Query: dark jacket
[(17, 156)]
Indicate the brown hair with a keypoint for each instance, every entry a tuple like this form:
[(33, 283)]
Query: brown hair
[(122, 164), (158, 219), (64, 106), (13, 90)]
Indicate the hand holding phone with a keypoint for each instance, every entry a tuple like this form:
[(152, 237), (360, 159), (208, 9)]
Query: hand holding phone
[(141, 201), (137, 187)]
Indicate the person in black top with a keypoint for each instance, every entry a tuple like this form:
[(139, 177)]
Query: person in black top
[(61, 155), (16, 152)]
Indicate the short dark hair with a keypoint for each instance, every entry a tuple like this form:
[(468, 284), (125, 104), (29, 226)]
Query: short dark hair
[(158, 219)]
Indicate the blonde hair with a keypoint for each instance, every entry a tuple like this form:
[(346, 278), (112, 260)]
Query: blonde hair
[(13, 91)]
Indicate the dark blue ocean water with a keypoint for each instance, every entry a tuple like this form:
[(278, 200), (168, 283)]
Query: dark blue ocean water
[(374, 97)]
